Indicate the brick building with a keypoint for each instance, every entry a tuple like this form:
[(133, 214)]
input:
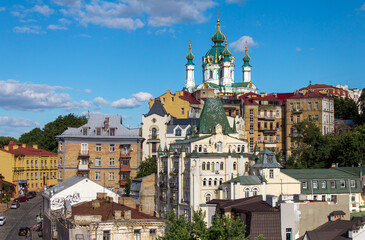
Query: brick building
[(103, 150)]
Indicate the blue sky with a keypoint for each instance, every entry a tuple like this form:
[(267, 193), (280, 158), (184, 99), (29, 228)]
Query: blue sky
[(71, 56)]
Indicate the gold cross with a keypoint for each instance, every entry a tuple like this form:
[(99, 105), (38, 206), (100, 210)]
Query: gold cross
[(218, 14)]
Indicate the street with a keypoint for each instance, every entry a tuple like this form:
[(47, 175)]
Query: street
[(25, 216)]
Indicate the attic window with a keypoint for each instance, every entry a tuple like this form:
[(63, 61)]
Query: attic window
[(98, 131), (269, 159), (84, 131), (112, 132), (178, 132)]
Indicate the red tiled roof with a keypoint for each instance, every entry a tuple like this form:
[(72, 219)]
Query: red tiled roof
[(282, 96), (249, 94), (309, 95), (26, 150), (106, 210), (189, 97)]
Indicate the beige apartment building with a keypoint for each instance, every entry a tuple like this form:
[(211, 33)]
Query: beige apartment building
[(103, 150)]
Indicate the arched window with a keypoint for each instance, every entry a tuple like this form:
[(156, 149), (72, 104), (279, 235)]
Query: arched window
[(205, 148), (178, 132), (196, 148), (208, 165), (220, 181), (219, 147), (243, 148), (238, 148), (247, 192), (200, 148), (222, 166), (208, 197), (210, 74), (217, 166), (215, 182), (226, 193), (210, 182), (154, 133), (234, 166), (255, 191), (203, 166), (246, 167), (204, 182)]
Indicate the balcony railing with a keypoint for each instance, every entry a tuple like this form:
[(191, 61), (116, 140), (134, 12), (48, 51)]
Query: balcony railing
[(83, 167), (173, 184), (18, 168), (163, 171), (269, 118), (163, 185), (297, 110), (125, 154), (163, 198), (272, 141), (84, 153)]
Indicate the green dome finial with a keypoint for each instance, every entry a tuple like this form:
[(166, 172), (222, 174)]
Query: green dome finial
[(226, 53), (246, 58), (218, 36), (190, 55)]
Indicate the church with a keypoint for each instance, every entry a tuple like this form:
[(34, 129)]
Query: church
[(218, 69)]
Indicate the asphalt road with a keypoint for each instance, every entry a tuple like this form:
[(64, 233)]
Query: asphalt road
[(25, 216)]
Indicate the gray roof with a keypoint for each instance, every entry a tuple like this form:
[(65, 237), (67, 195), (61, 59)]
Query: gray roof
[(170, 128), (98, 121), (63, 185), (156, 108), (246, 180), (266, 159)]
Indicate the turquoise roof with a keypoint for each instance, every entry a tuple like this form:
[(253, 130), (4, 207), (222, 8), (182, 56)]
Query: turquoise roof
[(241, 84), (215, 52), (246, 58), (226, 53), (218, 36), (246, 180), (211, 115), (190, 56), (266, 159)]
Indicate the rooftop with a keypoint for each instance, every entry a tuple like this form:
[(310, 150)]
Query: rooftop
[(322, 173), (22, 149)]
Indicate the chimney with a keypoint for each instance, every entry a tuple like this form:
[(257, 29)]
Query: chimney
[(15, 146), (117, 214), (95, 204), (101, 196), (128, 215), (106, 123), (35, 146), (263, 94)]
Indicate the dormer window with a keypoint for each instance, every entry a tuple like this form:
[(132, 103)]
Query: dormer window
[(178, 132), (112, 131), (271, 173), (84, 131), (219, 147), (98, 131)]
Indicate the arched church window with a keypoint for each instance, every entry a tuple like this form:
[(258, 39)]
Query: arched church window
[(219, 147), (203, 166), (208, 165), (178, 132), (247, 192), (210, 74), (208, 197), (234, 166), (154, 133), (204, 182), (222, 166), (255, 191)]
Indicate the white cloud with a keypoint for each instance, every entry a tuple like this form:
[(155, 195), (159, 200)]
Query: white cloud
[(16, 122), (36, 97), (87, 90), (2, 9), (127, 14), (362, 7), (44, 10), (84, 35), (100, 100), (56, 27), (28, 29), (135, 101), (298, 49), (239, 45), (236, 1), (142, 96)]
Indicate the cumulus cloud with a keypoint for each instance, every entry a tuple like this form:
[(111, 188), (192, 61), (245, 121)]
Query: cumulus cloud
[(135, 101), (239, 45), (298, 49), (56, 27), (28, 29), (236, 1), (2, 9), (36, 97), (87, 90), (44, 10), (128, 14), (16, 122)]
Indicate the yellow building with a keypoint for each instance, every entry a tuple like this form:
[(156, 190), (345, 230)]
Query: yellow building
[(179, 105), (29, 168)]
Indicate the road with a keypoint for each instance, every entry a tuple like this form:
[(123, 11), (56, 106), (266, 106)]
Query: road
[(25, 216)]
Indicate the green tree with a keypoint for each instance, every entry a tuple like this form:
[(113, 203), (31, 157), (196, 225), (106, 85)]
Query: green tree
[(177, 228), (345, 108), (5, 141), (361, 105), (147, 167), (33, 137), (226, 228), (127, 186), (260, 237)]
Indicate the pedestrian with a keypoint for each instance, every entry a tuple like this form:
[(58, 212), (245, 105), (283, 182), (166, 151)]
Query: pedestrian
[(34, 227)]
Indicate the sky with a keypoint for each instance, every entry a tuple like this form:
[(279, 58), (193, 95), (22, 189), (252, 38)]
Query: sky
[(73, 56)]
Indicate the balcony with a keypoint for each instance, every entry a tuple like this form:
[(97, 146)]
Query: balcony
[(125, 154), (173, 185), (83, 153), (267, 130), (163, 185), (163, 198), (153, 138), (297, 111), (18, 169), (163, 171), (173, 200), (174, 171), (125, 168), (267, 118), (83, 167)]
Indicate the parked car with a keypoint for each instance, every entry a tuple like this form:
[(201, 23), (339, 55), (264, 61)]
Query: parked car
[(2, 221), (15, 205), (23, 231), (31, 194), (21, 199)]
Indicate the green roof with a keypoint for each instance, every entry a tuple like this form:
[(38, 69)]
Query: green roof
[(215, 52), (322, 173), (218, 37), (190, 140), (190, 56), (241, 84), (219, 155), (266, 159), (211, 115), (246, 180)]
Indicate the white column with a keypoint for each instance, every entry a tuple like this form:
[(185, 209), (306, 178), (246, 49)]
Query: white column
[(190, 81), (232, 191), (246, 73), (241, 165), (264, 191), (238, 192), (197, 185), (229, 167)]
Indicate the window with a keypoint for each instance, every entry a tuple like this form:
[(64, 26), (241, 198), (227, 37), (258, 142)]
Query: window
[(288, 234), (353, 183), (219, 147), (316, 105), (178, 132), (291, 106), (172, 99), (298, 119), (251, 145), (163, 100), (203, 166), (31, 176), (60, 162), (215, 181), (304, 185), (154, 147), (251, 116), (182, 110), (210, 182), (220, 181), (222, 166), (98, 131), (343, 183), (333, 184), (298, 106), (97, 162), (112, 132), (210, 74), (277, 138), (208, 165), (137, 234), (234, 166), (239, 148), (277, 113), (84, 131), (36, 176), (309, 106), (324, 184), (204, 182), (153, 234), (247, 193), (55, 163), (124, 175), (353, 198), (200, 148), (291, 118), (27, 163), (251, 129), (316, 118), (84, 148), (154, 133), (208, 197), (111, 176), (98, 147), (315, 184), (111, 162), (27, 176), (323, 198), (97, 175), (60, 146), (112, 148), (125, 162)]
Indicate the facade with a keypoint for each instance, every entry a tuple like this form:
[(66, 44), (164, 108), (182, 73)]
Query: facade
[(103, 150), (143, 190), (311, 106), (103, 219), (29, 168), (191, 170), (326, 90), (328, 185)]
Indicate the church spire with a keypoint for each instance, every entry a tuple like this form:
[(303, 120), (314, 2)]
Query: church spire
[(246, 58), (218, 37), (190, 81), (190, 56)]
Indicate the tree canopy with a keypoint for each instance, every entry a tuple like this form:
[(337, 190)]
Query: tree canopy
[(5, 141), (147, 167), (346, 108)]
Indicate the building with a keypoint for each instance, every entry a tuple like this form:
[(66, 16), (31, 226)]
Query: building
[(143, 190), (103, 150), (311, 106), (326, 90), (260, 218), (191, 170), (104, 219), (29, 168), (328, 185), (338, 228), (71, 191)]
